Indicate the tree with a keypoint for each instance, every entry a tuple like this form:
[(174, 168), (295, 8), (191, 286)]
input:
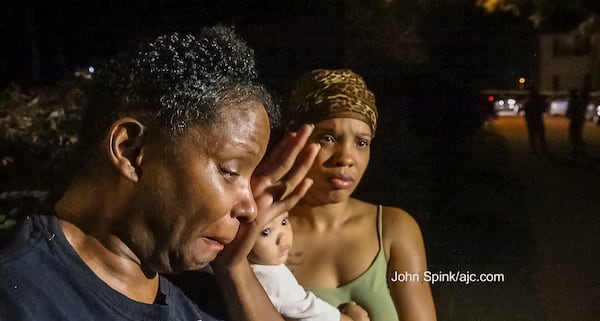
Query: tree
[(550, 15)]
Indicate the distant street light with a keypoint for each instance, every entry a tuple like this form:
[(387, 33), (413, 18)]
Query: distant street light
[(522, 82)]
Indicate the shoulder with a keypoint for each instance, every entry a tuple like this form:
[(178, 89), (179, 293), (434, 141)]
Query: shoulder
[(400, 230), (21, 237), (398, 220)]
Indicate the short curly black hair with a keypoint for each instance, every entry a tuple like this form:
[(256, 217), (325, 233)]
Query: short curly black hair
[(175, 82)]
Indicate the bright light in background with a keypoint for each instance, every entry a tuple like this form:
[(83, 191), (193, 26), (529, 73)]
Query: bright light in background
[(522, 80), (91, 69), (490, 98)]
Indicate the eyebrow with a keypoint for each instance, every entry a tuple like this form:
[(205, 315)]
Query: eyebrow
[(245, 146), (332, 130)]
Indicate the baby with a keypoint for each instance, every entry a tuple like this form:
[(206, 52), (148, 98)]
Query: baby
[(291, 300)]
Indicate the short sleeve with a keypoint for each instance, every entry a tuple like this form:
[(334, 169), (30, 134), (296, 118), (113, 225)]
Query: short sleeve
[(290, 298)]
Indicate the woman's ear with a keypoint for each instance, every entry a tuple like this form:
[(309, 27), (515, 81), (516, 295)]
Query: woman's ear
[(125, 147)]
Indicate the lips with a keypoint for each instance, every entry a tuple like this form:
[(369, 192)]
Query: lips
[(217, 242), (342, 181), (285, 252)]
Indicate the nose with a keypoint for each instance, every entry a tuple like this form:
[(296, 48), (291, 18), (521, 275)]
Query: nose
[(283, 239), (343, 155), (245, 209)]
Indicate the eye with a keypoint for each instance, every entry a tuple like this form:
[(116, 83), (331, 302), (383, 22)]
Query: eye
[(265, 232), (228, 173), (328, 138), (363, 143)]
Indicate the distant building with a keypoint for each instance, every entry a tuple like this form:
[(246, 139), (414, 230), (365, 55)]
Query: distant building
[(569, 61)]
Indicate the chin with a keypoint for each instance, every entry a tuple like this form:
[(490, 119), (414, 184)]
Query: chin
[(191, 263), (338, 196), (197, 263), (188, 267), (198, 266), (327, 197)]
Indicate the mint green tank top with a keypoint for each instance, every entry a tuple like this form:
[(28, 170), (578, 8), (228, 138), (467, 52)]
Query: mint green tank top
[(369, 290)]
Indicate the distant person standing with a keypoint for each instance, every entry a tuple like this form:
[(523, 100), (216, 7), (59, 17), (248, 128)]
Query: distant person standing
[(576, 114), (535, 106)]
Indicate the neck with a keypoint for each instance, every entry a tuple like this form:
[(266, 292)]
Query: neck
[(323, 216), (88, 219)]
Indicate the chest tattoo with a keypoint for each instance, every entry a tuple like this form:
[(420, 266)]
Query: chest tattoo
[(295, 259)]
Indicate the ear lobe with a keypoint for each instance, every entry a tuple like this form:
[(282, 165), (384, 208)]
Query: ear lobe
[(125, 147)]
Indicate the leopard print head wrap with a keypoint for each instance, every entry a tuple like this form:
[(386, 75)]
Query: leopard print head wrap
[(325, 94)]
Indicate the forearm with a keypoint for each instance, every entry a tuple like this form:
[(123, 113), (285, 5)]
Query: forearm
[(244, 297), (415, 302), (277, 185)]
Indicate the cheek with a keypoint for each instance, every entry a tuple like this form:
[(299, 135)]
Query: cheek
[(205, 195), (266, 246), (260, 251), (365, 157), (320, 162)]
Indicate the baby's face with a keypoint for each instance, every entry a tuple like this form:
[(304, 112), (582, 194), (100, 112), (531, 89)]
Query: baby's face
[(274, 242)]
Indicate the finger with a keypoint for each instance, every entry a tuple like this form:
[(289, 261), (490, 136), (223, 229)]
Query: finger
[(347, 306), (240, 247), (288, 158), (265, 214), (300, 169), (283, 157), (266, 175), (287, 203), (278, 151)]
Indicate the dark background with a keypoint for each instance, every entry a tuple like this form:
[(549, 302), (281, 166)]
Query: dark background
[(426, 61), (46, 40)]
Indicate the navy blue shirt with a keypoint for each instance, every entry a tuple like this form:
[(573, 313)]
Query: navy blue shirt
[(43, 278)]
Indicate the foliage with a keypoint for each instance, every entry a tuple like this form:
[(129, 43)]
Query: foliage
[(38, 130), (548, 15)]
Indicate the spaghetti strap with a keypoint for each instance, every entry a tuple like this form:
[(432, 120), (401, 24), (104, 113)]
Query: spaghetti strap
[(370, 288), (380, 226)]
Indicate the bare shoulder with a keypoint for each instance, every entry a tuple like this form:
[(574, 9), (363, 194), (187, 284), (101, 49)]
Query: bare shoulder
[(400, 229), (398, 219)]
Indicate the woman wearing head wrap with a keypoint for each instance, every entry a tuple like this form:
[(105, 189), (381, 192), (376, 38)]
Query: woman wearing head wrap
[(346, 249)]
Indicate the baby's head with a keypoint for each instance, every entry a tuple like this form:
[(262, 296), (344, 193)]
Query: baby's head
[(274, 242)]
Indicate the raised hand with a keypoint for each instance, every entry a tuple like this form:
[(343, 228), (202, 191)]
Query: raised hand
[(278, 183)]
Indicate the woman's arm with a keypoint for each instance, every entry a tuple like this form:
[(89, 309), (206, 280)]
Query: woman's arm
[(412, 296), (277, 185)]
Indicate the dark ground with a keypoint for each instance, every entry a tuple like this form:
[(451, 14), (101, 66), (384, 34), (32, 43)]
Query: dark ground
[(488, 205)]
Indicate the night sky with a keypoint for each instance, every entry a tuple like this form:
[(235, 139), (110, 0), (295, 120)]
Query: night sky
[(44, 41)]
